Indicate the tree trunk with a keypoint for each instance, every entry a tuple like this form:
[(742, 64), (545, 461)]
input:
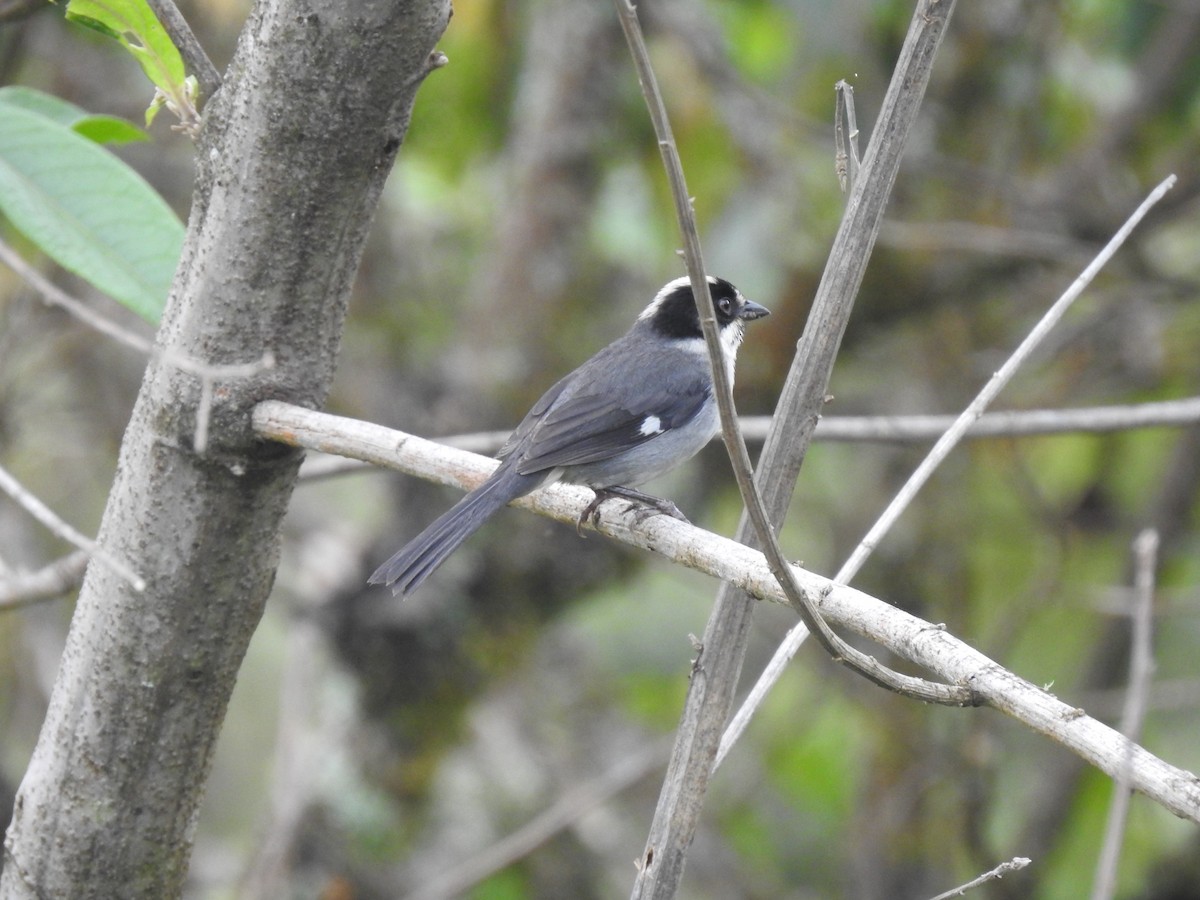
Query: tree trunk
[(291, 161)]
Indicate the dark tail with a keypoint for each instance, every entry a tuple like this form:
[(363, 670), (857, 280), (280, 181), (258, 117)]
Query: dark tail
[(418, 559)]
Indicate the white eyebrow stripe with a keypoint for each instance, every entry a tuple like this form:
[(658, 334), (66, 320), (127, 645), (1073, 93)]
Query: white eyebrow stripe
[(667, 289)]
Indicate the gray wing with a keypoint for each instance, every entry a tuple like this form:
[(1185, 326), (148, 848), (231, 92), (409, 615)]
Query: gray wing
[(533, 418), (588, 427), (597, 412)]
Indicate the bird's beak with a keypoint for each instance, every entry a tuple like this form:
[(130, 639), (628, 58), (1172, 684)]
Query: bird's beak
[(753, 310)]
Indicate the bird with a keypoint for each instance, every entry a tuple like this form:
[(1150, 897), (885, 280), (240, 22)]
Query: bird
[(637, 409)]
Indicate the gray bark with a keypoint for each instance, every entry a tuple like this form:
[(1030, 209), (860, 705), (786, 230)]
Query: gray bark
[(293, 155)]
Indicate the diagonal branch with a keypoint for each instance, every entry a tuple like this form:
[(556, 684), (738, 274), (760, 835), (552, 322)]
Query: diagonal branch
[(937, 455), (51, 581), (207, 373), (59, 528), (923, 643)]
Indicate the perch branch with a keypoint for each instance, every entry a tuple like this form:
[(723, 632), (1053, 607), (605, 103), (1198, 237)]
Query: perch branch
[(924, 643)]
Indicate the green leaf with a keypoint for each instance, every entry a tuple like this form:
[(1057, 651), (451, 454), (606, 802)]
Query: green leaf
[(133, 23), (87, 210), (47, 105), (95, 25), (109, 130), (101, 129)]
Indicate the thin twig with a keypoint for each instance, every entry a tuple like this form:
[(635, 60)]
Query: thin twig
[(796, 637), (564, 812), (910, 429), (195, 60), (998, 382), (207, 373), (1141, 671), (56, 296), (1007, 424), (61, 529), (1016, 864), (47, 583)]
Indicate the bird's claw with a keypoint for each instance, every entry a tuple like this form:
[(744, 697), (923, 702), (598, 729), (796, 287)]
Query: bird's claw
[(643, 507), (590, 512), (643, 510)]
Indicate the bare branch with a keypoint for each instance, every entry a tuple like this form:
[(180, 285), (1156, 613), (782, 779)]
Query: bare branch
[(56, 296), (145, 678), (61, 529), (47, 583), (992, 389), (1009, 424), (1016, 864), (948, 441), (207, 373), (885, 429), (565, 811), (1141, 671), (735, 444), (926, 644)]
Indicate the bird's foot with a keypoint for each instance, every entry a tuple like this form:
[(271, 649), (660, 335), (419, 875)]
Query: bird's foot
[(644, 506)]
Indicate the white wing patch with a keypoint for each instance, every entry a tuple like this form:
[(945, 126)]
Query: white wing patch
[(651, 425)]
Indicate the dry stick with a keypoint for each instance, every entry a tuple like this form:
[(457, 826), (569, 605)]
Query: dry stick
[(208, 374), (568, 809), (735, 444), (923, 643), (1008, 424), (59, 528), (714, 677), (47, 583), (998, 382), (940, 451), (1141, 670), (1016, 864)]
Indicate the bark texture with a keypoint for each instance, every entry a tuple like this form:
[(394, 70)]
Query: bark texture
[(293, 155)]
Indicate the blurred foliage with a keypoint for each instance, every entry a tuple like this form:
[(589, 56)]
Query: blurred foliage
[(516, 237)]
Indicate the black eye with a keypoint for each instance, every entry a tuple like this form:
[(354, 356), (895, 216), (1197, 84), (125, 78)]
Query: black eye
[(724, 305)]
